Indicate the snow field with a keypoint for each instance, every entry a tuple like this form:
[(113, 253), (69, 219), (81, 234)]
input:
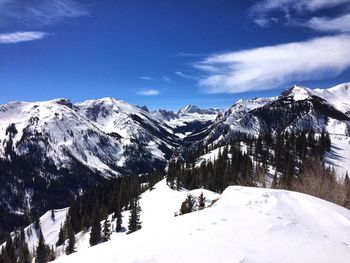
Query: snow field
[(244, 225)]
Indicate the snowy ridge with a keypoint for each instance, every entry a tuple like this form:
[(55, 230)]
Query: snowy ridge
[(244, 225), (298, 108), (338, 96), (95, 132), (237, 119)]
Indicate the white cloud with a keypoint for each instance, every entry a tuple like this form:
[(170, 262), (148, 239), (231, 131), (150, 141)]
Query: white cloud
[(273, 66), (148, 92), (184, 75), (145, 78), (261, 11), (16, 37), (40, 11), (338, 24)]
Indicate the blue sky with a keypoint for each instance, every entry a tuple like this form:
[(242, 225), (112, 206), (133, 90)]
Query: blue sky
[(166, 54)]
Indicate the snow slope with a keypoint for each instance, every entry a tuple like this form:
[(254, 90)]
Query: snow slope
[(158, 207), (338, 96), (50, 229), (339, 156), (244, 225)]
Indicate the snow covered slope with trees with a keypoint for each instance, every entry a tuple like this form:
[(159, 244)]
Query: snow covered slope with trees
[(243, 225), (297, 109), (53, 150)]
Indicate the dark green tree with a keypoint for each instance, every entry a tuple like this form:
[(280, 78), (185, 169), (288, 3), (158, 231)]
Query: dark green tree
[(42, 250), (24, 254), (37, 223), (10, 254), (95, 235), (53, 215), (71, 242), (60, 237), (188, 205), (119, 220), (134, 219), (106, 230), (201, 201)]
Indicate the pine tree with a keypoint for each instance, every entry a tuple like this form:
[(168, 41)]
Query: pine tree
[(24, 254), (71, 242), (42, 251), (106, 230), (201, 201), (60, 237), (134, 219), (95, 236), (23, 235), (188, 205), (53, 215), (274, 184), (346, 186), (10, 250), (119, 221), (37, 223)]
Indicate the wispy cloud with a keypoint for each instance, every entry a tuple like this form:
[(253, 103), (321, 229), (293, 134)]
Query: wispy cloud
[(264, 12), (145, 78), (273, 66), (326, 24), (42, 12), (185, 75), (186, 54), (148, 92), (16, 37)]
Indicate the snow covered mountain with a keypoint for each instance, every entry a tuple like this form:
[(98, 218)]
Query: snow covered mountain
[(188, 120), (297, 108), (100, 134), (338, 96), (236, 119), (52, 150), (243, 225)]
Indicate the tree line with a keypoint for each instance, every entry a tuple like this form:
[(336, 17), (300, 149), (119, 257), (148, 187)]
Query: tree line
[(86, 212), (245, 161)]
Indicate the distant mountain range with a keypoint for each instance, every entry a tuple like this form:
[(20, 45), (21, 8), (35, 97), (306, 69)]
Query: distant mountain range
[(54, 149)]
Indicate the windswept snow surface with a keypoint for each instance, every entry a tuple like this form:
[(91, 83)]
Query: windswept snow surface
[(244, 225)]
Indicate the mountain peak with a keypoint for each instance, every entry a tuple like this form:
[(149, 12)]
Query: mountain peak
[(189, 109), (297, 92), (63, 101), (144, 108)]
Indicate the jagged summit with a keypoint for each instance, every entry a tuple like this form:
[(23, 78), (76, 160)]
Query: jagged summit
[(298, 92), (189, 109)]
